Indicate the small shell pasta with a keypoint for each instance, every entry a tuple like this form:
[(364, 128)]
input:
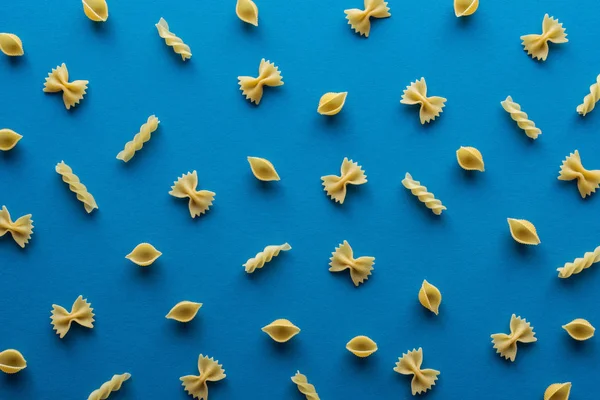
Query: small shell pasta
[(144, 254), (558, 391), (8, 139), (247, 11), (332, 103), (263, 169), (523, 231), (361, 346), (281, 330), (184, 311), (430, 297), (463, 8), (96, 10), (12, 361), (11, 45), (470, 159), (580, 329)]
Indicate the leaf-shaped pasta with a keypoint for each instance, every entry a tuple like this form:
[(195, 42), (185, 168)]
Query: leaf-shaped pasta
[(281, 330), (361, 346), (58, 81), (590, 100), (12, 361), (587, 180), (343, 258), (200, 200), (265, 256), (470, 159), (96, 10), (172, 40), (580, 329), (11, 45), (350, 174), (520, 331), (537, 45), (416, 93), (332, 103), (558, 391), (263, 169), (247, 11), (81, 312), (139, 139), (184, 311), (360, 21), (89, 203), (523, 231), (143, 254), (463, 8), (422, 194), (430, 297), (8, 139), (410, 364), (209, 371), (20, 230), (304, 387), (107, 388), (575, 267), (521, 118), (268, 75)]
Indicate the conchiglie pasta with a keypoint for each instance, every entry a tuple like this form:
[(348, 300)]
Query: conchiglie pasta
[(558, 391), (11, 45), (184, 311), (579, 329), (361, 346), (247, 11), (470, 159), (143, 255), (8, 139), (281, 330), (523, 231), (463, 8), (263, 169), (12, 361), (332, 103), (96, 10), (430, 297)]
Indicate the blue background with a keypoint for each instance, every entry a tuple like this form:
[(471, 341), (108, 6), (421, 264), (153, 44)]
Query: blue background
[(207, 125)]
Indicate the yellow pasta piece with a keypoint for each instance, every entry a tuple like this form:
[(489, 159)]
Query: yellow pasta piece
[(139, 139), (268, 75), (200, 200), (89, 203), (361, 346), (143, 254), (575, 267), (520, 331), (263, 169), (521, 118), (304, 387), (423, 195), (20, 230), (537, 45), (172, 40), (81, 312), (12, 361), (8, 139), (470, 159), (332, 103), (96, 10), (247, 11), (590, 100), (587, 180), (558, 391), (265, 256), (281, 330), (11, 45), (579, 329), (410, 364), (430, 297), (209, 371), (343, 258), (463, 8), (107, 388), (360, 21), (184, 311), (350, 174), (523, 231), (416, 93), (58, 81)]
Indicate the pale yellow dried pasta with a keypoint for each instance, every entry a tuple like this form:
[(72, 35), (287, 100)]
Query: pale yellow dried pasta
[(209, 371), (523, 231), (20, 230), (558, 391), (143, 254), (8, 139), (265, 256), (263, 169), (350, 174), (81, 312), (410, 364), (12, 361), (590, 100), (89, 203), (423, 195), (107, 388), (430, 297), (520, 118), (343, 258), (11, 45), (281, 330), (332, 103), (304, 387), (416, 93), (361, 346), (470, 159), (247, 11), (587, 180), (575, 267), (520, 331), (58, 81), (139, 139), (359, 20), (268, 75), (184, 311), (96, 10), (463, 8), (537, 45), (200, 200), (580, 329), (172, 40)]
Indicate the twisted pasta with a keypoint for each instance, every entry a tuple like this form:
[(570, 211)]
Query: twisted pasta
[(268, 75), (351, 174), (11, 45), (58, 80), (304, 387), (96, 10), (410, 364), (81, 312), (424, 196), (200, 200), (575, 267), (587, 180), (173, 41), (107, 388), (416, 93), (537, 45), (520, 331), (359, 19), (343, 258), (139, 139), (265, 256), (209, 371), (89, 203), (590, 100), (20, 230), (521, 118)]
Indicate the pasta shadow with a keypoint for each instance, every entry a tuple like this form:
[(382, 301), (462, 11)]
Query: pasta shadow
[(288, 349), (522, 250), (13, 154), (578, 347), (19, 380)]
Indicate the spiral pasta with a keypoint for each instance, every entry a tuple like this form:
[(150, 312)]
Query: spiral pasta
[(173, 41), (359, 20), (268, 75), (579, 264), (20, 230), (107, 388), (589, 101), (11, 45), (521, 118), (587, 180), (424, 196), (58, 81), (89, 203), (139, 139), (265, 256), (304, 387), (537, 45)]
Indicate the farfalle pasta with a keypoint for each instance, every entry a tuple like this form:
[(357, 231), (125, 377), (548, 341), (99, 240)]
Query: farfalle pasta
[(107, 388), (200, 200), (332, 103), (83, 195), (268, 75), (580, 329), (523, 231), (587, 180), (575, 267), (172, 40), (410, 364), (81, 312), (360, 20), (20, 230), (423, 195), (343, 258), (558, 391), (12, 361), (184, 311), (265, 256), (263, 169), (281, 330), (304, 387), (521, 331), (470, 159), (11, 45), (430, 297), (350, 174), (590, 100), (144, 254), (463, 8), (8, 139), (361, 346), (209, 370), (96, 10), (520, 118), (430, 107), (247, 11), (139, 139), (537, 45), (58, 81)]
